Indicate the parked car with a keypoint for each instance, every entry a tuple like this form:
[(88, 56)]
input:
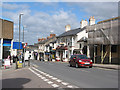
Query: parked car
[(80, 60)]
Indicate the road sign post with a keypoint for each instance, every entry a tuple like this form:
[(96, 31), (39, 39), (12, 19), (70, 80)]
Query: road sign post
[(24, 46)]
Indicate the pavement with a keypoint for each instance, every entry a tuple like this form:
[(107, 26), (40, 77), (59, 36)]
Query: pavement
[(107, 66), (21, 78)]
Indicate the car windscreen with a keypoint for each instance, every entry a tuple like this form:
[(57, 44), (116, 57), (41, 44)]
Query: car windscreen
[(82, 57)]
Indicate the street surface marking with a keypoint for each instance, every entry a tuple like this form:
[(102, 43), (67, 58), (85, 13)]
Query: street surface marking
[(46, 79), (51, 77), (49, 82), (43, 78), (47, 75), (85, 71), (70, 86), (58, 80), (55, 85), (64, 83), (76, 87), (54, 78), (40, 76)]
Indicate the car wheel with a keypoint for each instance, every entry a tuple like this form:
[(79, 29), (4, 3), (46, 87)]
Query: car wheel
[(90, 66), (76, 65)]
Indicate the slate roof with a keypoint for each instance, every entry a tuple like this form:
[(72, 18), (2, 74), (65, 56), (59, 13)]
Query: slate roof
[(71, 32)]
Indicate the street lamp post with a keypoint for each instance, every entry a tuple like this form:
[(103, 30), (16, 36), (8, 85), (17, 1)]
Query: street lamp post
[(23, 31), (19, 26), (23, 48)]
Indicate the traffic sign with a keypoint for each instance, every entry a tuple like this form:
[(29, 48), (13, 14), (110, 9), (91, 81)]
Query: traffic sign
[(25, 45)]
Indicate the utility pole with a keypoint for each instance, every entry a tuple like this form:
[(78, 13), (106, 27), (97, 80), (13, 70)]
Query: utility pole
[(20, 27)]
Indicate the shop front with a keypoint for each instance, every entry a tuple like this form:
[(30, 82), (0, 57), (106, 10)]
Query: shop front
[(6, 48), (62, 53)]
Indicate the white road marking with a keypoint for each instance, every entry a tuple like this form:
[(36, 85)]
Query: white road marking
[(85, 71), (55, 85), (40, 76), (54, 78), (64, 83), (58, 80), (47, 75), (76, 87), (46, 79), (70, 86), (43, 78), (49, 82), (50, 76)]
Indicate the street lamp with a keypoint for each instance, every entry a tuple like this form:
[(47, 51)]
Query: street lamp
[(19, 26), (23, 31)]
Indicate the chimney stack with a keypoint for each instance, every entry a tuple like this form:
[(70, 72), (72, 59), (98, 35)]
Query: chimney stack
[(52, 35), (92, 20), (67, 27), (83, 23)]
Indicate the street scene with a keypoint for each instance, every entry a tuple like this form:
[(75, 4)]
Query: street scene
[(59, 45)]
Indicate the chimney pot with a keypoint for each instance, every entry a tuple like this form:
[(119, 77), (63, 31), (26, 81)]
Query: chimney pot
[(67, 27), (83, 23), (92, 20)]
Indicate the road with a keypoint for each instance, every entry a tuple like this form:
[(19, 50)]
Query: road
[(78, 77)]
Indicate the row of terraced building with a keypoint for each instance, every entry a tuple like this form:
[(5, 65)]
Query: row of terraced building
[(100, 42)]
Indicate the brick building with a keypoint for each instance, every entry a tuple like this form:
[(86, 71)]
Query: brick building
[(6, 37)]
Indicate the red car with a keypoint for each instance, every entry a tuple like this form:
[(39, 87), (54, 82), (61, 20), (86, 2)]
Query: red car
[(79, 60)]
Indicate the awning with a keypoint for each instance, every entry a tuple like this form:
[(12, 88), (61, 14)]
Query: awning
[(62, 48)]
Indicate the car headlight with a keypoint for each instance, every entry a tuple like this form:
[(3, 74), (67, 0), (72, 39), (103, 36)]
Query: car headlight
[(80, 61), (90, 60)]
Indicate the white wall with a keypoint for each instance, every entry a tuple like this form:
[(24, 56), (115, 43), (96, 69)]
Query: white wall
[(82, 34)]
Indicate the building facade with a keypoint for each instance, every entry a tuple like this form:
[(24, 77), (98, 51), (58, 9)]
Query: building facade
[(45, 47), (73, 41), (68, 43), (6, 37), (104, 42)]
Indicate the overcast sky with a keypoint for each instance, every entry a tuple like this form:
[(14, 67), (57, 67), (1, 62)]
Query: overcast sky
[(40, 18)]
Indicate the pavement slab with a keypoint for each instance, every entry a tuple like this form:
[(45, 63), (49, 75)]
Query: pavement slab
[(22, 78)]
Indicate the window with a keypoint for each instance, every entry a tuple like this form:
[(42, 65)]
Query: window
[(82, 57), (80, 46), (114, 48)]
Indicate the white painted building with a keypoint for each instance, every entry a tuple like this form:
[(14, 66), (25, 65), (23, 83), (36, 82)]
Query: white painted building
[(73, 41)]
